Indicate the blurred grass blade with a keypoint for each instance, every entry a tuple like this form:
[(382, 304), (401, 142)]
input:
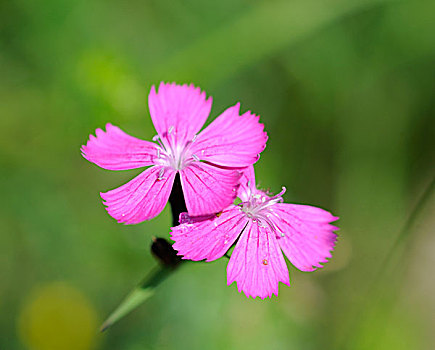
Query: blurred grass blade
[(377, 297), (261, 32), (138, 295)]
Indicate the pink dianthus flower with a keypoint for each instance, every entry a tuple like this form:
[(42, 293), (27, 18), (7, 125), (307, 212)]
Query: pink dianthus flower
[(262, 225), (207, 162)]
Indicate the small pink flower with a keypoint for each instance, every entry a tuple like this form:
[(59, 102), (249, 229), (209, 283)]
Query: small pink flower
[(207, 162), (262, 226)]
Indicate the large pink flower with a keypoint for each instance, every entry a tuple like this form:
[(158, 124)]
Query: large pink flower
[(262, 226), (207, 161)]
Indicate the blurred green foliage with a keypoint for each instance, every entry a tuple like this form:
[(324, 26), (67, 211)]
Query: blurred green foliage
[(346, 91)]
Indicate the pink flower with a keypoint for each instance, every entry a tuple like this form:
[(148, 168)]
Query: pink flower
[(207, 162), (262, 226)]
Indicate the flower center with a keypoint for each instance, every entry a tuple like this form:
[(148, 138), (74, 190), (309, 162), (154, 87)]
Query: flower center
[(259, 207), (171, 153)]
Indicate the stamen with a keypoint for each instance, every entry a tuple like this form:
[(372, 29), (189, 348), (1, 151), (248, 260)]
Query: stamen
[(194, 138), (279, 195), (161, 173), (157, 139), (194, 156), (262, 220), (261, 223), (171, 153), (258, 208)]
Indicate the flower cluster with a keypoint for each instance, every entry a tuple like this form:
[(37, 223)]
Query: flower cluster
[(215, 167)]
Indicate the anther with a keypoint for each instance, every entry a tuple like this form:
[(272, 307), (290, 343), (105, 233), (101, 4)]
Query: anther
[(278, 197), (281, 193), (161, 172), (157, 138), (194, 156), (171, 128), (194, 138)]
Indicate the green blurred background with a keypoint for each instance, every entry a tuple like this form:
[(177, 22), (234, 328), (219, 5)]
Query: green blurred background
[(346, 91)]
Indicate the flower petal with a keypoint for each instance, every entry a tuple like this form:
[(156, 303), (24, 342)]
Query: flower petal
[(210, 238), (247, 184), (207, 188), (257, 263), (308, 236), (113, 149), (180, 110), (231, 140), (142, 198)]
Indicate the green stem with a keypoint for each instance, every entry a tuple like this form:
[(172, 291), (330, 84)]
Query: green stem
[(138, 295), (167, 257)]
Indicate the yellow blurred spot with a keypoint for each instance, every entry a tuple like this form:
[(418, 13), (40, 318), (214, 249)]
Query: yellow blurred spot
[(57, 316)]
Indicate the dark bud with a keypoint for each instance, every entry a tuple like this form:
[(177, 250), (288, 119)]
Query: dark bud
[(164, 252)]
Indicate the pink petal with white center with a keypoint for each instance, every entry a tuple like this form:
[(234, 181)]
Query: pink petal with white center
[(257, 263), (179, 110), (207, 188), (247, 184), (308, 235), (211, 238), (231, 140), (143, 198), (113, 149)]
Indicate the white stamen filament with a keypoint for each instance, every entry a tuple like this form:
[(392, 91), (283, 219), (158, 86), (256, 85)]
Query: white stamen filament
[(161, 173), (157, 139), (173, 154), (258, 208)]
